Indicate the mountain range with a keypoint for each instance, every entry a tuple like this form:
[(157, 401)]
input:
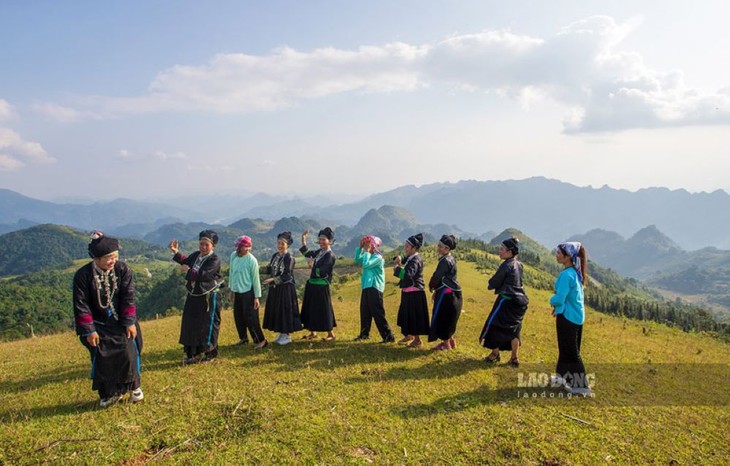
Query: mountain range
[(551, 210)]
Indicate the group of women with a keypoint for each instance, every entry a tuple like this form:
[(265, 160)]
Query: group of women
[(106, 321)]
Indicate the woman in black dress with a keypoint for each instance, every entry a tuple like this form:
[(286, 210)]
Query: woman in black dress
[(317, 312), (201, 319), (502, 328), (282, 306), (106, 321), (413, 310), (446, 296)]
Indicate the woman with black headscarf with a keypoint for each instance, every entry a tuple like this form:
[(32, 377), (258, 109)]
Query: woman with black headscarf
[(413, 310), (106, 321), (282, 306), (317, 312), (446, 296), (201, 319), (502, 328)]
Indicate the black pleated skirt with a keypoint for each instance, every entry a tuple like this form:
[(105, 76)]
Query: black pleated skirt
[(317, 312), (413, 313), (201, 322), (503, 325), (282, 309), (446, 313)]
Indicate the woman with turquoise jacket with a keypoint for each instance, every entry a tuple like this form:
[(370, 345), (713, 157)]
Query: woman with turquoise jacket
[(569, 311), (372, 281)]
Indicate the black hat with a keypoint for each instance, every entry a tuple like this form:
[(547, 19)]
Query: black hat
[(513, 244), (416, 240), (286, 236), (449, 241), (101, 245), (210, 235), (328, 233)]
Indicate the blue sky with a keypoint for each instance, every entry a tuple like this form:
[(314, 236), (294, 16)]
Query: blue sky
[(161, 99)]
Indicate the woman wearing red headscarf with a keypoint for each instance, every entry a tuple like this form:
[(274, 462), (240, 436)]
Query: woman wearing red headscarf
[(244, 283)]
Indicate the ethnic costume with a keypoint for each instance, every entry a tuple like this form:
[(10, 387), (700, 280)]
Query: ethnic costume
[(244, 282), (317, 312), (504, 323), (201, 319), (282, 306), (372, 282), (569, 305), (103, 303), (447, 299), (413, 310)]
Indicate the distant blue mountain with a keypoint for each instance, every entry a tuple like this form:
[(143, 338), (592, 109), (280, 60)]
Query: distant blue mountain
[(550, 210)]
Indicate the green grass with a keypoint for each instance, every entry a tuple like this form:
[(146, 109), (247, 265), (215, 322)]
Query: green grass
[(357, 403)]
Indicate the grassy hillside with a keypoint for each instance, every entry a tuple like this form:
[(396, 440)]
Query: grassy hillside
[(661, 397)]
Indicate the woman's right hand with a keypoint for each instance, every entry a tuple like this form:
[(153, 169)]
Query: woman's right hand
[(174, 246), (93, 339)]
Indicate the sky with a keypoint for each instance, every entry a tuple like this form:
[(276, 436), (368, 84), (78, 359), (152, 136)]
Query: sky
[(157, 100)]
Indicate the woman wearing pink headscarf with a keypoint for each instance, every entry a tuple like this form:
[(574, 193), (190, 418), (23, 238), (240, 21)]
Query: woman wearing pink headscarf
[(373, 284), (244, 282)]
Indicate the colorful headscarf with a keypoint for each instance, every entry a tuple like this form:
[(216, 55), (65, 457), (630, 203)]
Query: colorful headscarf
[(572, 248), (243, 241), (376, 242)]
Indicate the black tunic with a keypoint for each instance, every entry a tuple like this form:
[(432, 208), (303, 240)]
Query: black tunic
[(282, 306), (116, 360), (447, 299), (413, 309), (318, 314), (201, 318), (504, 322)]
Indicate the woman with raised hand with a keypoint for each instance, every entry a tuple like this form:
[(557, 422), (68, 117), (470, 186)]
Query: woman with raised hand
[(245, 284), (201, 319), (106, 321), (502, 328), (413, 310), (446, 296), (317, 312), (282, 306), (569, 311), (372, 281)]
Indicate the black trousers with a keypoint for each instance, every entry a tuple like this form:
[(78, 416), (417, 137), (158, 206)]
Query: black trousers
[(371, 308), (570, 365), (246, 317)]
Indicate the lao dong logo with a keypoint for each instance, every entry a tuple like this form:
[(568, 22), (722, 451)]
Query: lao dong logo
[(545, 380)]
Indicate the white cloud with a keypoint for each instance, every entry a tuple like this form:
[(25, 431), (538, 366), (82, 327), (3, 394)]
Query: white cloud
[(8, 163), (14, 148), (162, 155), (68, 114), (601, 89), (7, 112), (157, 154)]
